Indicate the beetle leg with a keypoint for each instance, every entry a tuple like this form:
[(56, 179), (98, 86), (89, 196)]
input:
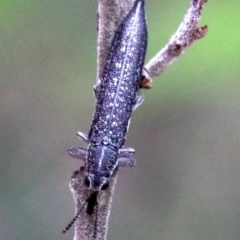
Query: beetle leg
[(78, 152), (125, 157), (126, 161), (96, 89), (139, 101), (126, 150), (83, 136)]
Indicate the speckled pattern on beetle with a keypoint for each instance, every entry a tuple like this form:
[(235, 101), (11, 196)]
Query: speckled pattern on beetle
[(117, 96)]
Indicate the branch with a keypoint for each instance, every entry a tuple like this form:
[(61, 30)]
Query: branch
[(110, 14), (187, 33)]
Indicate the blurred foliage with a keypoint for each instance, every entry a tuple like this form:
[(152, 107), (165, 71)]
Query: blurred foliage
[(186, 134)]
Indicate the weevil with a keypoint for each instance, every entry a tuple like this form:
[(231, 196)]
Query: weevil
[(116, 98)]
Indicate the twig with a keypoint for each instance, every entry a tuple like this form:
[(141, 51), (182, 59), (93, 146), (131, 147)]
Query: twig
[(187, 33), (110, 14)]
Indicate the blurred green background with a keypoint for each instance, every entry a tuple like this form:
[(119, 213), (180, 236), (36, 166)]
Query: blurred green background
[(186, 184)]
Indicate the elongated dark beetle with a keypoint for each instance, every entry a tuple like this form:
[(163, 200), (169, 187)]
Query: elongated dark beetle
[(116, 98)]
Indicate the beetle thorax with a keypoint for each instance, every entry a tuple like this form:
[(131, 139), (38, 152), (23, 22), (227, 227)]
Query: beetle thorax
[(100, 164)]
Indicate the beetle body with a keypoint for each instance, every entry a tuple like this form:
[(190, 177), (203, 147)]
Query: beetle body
[(116, 97)]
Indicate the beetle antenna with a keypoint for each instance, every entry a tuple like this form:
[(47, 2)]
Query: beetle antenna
[(74, 219), (92, 201)]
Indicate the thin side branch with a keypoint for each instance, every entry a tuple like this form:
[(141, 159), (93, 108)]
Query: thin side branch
[(187, 33)]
